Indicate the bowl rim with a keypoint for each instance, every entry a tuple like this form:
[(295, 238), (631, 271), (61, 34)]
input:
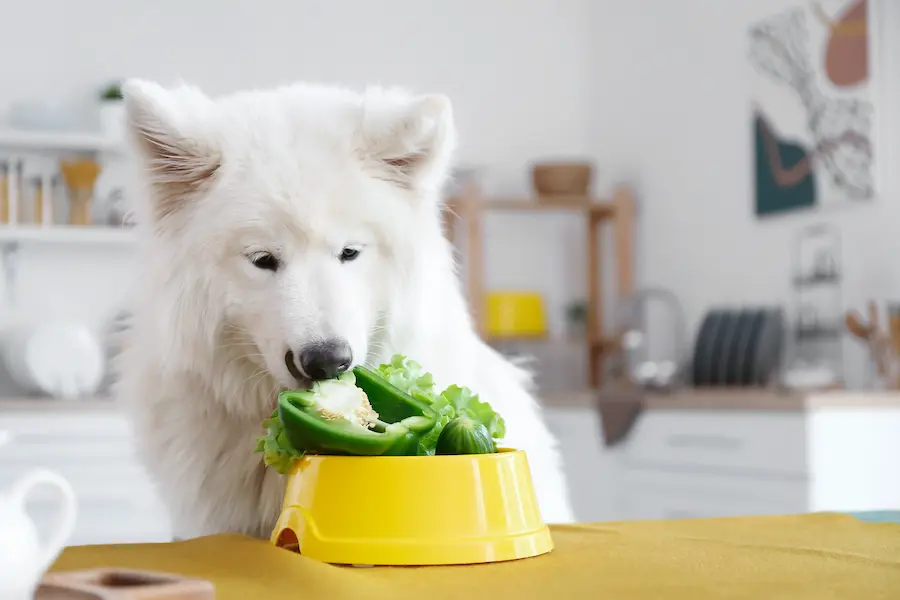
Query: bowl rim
[(501, 453)]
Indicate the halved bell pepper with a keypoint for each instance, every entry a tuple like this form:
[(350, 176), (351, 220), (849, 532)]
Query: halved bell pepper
[(360, 413)]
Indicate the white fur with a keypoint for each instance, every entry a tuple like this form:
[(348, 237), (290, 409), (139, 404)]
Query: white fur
[(299, 171)]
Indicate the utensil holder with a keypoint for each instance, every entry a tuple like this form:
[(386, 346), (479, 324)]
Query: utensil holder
[(80, 201)]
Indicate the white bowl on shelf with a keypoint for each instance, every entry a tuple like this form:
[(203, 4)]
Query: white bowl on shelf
[(59, 359)]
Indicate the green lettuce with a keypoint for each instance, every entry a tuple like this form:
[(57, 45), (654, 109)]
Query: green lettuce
[(276, 449), (408, 376), (460, 401)]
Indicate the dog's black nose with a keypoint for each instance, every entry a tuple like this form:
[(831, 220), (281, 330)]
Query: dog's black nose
[(325, 360)]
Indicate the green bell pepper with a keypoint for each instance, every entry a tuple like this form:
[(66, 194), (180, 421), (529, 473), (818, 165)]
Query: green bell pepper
[(392, 410), (360, 413)]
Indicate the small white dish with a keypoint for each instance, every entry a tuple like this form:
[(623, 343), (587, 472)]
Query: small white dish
[(60, 359)]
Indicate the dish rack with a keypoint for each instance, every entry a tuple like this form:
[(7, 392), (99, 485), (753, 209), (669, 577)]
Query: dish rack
[(816, 340)]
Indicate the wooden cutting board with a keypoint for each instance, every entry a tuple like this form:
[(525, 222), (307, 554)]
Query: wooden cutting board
[(122, 584)]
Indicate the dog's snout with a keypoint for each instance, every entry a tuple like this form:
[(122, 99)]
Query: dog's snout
[(319, 361)]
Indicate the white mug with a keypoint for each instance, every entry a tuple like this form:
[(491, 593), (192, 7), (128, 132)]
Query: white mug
[(23, 558)]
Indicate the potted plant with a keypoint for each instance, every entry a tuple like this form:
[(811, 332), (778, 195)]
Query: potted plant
[(112, 111), (576, 318)]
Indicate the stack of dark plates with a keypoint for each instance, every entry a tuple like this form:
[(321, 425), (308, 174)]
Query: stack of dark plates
[(739, 347)]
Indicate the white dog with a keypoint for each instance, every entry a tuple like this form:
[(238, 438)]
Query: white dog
[(287, 235)]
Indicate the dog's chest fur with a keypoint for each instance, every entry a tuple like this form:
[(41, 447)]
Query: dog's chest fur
[(201, 458)]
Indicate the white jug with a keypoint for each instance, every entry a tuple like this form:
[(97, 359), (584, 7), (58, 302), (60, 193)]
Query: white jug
[(23, 559)]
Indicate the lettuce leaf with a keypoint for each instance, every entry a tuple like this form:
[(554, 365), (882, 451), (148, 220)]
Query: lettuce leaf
[(407, 375), (457, 401), (465, 403), (276, 449), (428, 442)]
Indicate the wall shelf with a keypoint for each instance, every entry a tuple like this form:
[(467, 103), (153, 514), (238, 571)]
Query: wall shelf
[(619, 211), (60, 141), (62, 234)]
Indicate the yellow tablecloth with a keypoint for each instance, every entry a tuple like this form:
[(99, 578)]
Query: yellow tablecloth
[(815, 557)]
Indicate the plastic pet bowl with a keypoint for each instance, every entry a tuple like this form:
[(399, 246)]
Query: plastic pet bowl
[(409, 510)]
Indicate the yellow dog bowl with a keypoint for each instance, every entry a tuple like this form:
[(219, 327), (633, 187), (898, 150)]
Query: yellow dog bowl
[(411, 510), (515, 314)]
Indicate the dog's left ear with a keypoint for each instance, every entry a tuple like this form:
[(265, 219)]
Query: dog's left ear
[(411, 142)]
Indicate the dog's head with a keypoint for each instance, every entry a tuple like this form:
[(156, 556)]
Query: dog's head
[(284, 217)]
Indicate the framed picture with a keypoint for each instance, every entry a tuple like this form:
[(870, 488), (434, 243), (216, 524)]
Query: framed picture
[(814, 87)]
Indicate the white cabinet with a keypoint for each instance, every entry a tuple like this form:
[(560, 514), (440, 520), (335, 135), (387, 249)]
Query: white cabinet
[(660, 494), (718, 454), (589, 470), (90, 445), (832, 453)]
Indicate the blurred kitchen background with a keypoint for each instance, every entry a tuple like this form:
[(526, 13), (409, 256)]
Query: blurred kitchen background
[(683, 213)]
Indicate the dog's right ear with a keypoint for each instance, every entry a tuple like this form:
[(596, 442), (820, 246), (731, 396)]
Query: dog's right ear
[(167, 129)]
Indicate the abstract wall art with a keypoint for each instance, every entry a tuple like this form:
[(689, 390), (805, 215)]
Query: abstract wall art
[(813, 92)]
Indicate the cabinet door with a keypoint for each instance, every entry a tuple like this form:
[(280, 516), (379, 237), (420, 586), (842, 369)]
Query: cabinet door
[(589, 470), (93, 450), (719, 441), (677, 495)]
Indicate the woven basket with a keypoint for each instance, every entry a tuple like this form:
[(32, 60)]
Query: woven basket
[(557, 179)]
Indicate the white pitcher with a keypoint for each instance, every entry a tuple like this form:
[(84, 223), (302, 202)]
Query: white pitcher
[(23, 559)]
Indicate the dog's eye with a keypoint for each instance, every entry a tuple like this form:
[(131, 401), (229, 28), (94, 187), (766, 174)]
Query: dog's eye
[(264, 260), (349, 253)]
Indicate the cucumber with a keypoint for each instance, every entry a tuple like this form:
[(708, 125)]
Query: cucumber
[(464, 435)]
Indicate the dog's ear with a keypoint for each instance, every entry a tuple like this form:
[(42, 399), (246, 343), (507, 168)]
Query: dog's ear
[(167, 129), (411, 142)]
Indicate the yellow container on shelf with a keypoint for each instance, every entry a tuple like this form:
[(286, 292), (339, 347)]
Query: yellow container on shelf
[(412, 510), (512, 314)]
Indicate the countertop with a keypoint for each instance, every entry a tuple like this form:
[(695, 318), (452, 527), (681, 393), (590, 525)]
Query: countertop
[(686, 399), (22, 405), (723, 399)]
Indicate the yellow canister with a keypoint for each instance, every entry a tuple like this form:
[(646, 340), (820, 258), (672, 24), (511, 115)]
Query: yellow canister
[(514, 314)]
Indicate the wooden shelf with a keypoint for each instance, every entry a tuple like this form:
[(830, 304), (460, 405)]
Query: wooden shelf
[(63, 234), (53, 140), (470, 207), (572, 204)]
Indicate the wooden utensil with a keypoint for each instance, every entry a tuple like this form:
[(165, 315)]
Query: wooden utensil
[(878, 342), (122, 584), (80, 176)]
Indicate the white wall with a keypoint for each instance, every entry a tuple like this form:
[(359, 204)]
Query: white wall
[(645, 86), (515, 69), (671, 87)]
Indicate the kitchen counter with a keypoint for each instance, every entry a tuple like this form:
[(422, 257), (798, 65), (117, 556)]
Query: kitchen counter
[(724, 399), (90, 443), (28, 405)]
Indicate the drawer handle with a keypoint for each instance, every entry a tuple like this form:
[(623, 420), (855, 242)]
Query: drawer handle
[(703, 441)]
